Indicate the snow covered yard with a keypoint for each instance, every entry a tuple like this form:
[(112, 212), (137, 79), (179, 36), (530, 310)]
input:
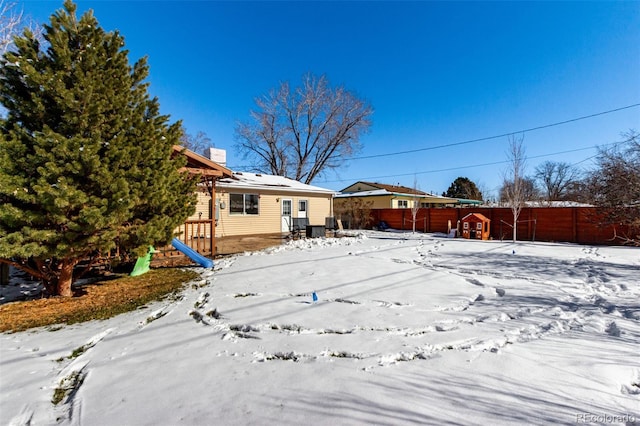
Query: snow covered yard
[(407, 329)]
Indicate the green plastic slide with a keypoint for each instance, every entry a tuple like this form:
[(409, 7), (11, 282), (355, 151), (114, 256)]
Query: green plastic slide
[(142, 264)]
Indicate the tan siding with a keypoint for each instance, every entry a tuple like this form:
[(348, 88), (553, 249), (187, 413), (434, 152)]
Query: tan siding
[(391, 201), (359, 187), (202, 206), (268, 221), (318, 209), (379, 202)]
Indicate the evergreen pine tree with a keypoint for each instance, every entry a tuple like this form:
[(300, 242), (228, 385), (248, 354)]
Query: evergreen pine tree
[(85, 156), (463, 187)]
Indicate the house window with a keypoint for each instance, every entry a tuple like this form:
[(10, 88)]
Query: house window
[(243, 204), (403, 204)]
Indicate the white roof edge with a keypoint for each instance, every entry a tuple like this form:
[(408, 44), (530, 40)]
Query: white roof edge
[(277, 188), (264, 182), (382, 192)]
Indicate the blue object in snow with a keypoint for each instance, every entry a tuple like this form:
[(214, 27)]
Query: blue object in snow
[(192, 254), (314, 296), (514, 252)]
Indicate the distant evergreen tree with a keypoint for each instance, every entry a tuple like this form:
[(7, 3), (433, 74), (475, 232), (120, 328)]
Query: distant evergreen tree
[(85, 157), (463, 187)]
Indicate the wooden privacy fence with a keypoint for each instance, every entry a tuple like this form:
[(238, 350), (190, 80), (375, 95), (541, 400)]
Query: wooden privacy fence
[(567, 224)]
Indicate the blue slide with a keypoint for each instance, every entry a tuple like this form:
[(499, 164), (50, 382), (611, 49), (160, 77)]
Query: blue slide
[(192, 254)]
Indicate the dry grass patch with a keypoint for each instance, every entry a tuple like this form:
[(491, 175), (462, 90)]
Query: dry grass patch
[(100, 300)]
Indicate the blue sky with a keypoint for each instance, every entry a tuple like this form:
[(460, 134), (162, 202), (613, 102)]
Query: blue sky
[(436, 73)]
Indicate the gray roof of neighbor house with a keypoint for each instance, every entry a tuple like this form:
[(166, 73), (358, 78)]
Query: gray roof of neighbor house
[(398, 189), (424, 197)]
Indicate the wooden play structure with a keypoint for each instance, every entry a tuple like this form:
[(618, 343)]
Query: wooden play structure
[(475, 226)]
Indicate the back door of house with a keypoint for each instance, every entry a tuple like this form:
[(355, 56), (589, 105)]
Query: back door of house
[(302, 208), (286, 215)]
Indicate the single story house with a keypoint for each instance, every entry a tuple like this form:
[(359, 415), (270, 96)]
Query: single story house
[(254, 203), (385, 196), (243, 204)]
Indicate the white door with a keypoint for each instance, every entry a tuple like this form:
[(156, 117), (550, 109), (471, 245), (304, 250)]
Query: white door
[(302, 209), (286, 216)]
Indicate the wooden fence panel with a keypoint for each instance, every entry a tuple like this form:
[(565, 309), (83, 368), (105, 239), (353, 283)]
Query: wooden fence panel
[(566, 224)]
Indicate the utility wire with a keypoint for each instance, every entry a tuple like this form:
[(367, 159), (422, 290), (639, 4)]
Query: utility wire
[(559, 123), (476, 165)]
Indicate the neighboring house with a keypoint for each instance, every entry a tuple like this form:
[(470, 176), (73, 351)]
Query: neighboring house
[(383, 196), (253, 203)]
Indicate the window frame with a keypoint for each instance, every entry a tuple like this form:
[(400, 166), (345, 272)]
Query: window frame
[(250, 204)]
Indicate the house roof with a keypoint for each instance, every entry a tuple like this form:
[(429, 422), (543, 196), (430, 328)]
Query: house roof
[(399, 189), (476, 216), (198, 164), (424, 197), (465, 201), (257, 181)]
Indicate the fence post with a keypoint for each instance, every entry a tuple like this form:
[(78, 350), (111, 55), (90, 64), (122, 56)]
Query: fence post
[(574, 224)]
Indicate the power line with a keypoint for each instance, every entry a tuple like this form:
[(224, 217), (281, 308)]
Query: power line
[(559, 123), (475, 165)]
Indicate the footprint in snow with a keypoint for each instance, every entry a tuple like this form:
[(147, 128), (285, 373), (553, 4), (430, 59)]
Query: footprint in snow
[(474, 282), (634, 387), (613, 330)]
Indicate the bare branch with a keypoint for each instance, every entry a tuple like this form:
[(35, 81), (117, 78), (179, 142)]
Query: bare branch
[(309, 130), (514, 186), (11, 22), (614, 187)]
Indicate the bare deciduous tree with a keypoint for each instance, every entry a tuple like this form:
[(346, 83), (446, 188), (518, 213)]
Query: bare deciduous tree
[(556, 179), (415, 207), (11, 22), (528, 187), (355, 211), (197, 143), (513, 178), (614, 186), (302, 132)]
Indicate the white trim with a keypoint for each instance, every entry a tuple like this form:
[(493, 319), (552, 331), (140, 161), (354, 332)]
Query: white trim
[(285, 225)]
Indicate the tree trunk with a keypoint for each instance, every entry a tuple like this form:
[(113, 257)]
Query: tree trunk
[(65, 279)]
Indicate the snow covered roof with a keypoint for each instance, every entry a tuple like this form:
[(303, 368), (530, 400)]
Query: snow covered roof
[(364, 193), (257, 181), (477, 216), (393, 189)]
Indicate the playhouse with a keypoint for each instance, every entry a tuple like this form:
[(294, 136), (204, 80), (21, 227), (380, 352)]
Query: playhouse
[(475, 226)]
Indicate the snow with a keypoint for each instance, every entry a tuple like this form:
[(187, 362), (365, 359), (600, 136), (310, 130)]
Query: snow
[(246, 180), (407, 329)]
